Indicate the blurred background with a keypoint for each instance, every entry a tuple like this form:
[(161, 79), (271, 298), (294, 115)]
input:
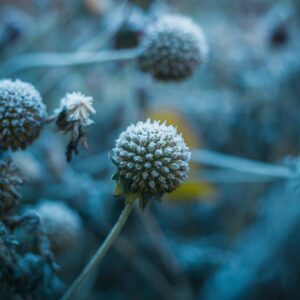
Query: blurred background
[(224, 234)]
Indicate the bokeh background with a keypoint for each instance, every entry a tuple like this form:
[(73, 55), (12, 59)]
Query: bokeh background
[(224, 234)]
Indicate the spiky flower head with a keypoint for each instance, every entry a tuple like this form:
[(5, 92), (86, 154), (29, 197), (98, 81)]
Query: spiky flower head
[(173, 47), (22, 114), (10, 180), (63, 225), (76, 108), (151, 159)]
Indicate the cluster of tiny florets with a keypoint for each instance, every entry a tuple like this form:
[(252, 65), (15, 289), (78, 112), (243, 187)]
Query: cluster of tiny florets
[(22, 114), (76, 108), (173, 47), (10, 180), (151, 157), (63, 225)]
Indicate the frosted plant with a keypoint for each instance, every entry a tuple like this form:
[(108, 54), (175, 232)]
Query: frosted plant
[(22, 114), (73, 114), (76, 108), (173, 48), (151, 159), (10, 180), (27, 274)]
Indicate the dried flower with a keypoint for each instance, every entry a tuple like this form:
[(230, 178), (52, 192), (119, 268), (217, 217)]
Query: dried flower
[(63, 225), (10, 180), (73, 114), (76, 108), (22, 114), (151, 159), (173, 48)]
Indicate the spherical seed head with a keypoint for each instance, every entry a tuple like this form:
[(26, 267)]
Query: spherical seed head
[(22, 114), (10, 180), (151, 158), (172, 49), (75, 107), (63, 225)]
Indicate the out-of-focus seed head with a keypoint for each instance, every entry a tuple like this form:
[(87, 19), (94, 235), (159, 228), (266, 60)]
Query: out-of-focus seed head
[(74, 107), (172, 48), (10, 180), (63, 225), (151, 159), (22, 114)]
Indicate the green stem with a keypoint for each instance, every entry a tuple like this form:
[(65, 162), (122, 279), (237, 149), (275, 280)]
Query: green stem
[(96, 259)]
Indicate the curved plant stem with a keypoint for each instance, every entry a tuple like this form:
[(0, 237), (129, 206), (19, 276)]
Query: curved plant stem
[(37, 60), (96, 259)]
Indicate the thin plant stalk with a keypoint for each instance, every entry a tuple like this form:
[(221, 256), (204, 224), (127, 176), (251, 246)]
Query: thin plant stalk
[(103, 249), (38, 60), (241, 164)]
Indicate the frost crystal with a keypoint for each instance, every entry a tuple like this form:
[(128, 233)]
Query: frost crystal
[(151, 158), (77, 108), (22, 114), (173, 48)]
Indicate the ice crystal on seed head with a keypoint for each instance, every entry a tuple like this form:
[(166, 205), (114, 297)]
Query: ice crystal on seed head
[(151, 159), (77, 107), (22, 114), (173, 48)]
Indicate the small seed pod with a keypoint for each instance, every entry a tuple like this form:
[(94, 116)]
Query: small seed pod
[(22, 114), (10, 180), (172, 49), (151, 159), (63, 225)]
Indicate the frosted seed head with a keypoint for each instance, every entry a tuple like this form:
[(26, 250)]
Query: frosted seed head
[(63, 225), (173, 48), (151, 168), (22, 114)]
